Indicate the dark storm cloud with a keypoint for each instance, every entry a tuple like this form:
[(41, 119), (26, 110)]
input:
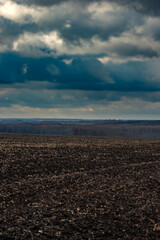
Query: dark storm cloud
[(10, 69), (10, 30), (86, 75), (52, 2), (128, 49), (9, 33), (127, 79), (72, 54), (83, 26), (40, 2), (80, 74), (143, 6), (73, 25), (40, 98)]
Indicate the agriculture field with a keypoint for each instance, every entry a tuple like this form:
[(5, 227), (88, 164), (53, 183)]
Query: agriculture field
[(59, 187)]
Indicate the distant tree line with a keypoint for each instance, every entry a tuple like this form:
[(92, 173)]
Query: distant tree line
[(84, 128)]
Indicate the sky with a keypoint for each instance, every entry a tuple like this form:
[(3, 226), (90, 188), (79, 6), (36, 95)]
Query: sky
[(80, 59)]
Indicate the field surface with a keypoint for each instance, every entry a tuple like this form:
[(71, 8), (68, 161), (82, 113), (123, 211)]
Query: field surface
[(59, 187)]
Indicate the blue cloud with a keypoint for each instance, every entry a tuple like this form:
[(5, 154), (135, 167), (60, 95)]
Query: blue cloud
[(81, 74), (82, 55)]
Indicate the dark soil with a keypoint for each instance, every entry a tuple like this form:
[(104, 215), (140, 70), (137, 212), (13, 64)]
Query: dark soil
[(56, 187)]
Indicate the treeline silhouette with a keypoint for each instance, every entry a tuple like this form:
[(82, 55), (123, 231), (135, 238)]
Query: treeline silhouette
[(82, 127)]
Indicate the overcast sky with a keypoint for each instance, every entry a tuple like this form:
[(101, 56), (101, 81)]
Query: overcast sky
[(80, 59)]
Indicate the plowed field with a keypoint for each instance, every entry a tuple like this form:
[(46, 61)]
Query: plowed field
[(59, 187)]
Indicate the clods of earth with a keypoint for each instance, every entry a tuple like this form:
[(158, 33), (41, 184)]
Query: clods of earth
[(59, 187)]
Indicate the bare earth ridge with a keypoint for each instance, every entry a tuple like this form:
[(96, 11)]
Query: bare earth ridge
[(59, 187)]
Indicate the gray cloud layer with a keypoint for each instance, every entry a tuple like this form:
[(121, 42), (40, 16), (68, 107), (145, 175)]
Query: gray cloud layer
[(143, 6), (65, 48)]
